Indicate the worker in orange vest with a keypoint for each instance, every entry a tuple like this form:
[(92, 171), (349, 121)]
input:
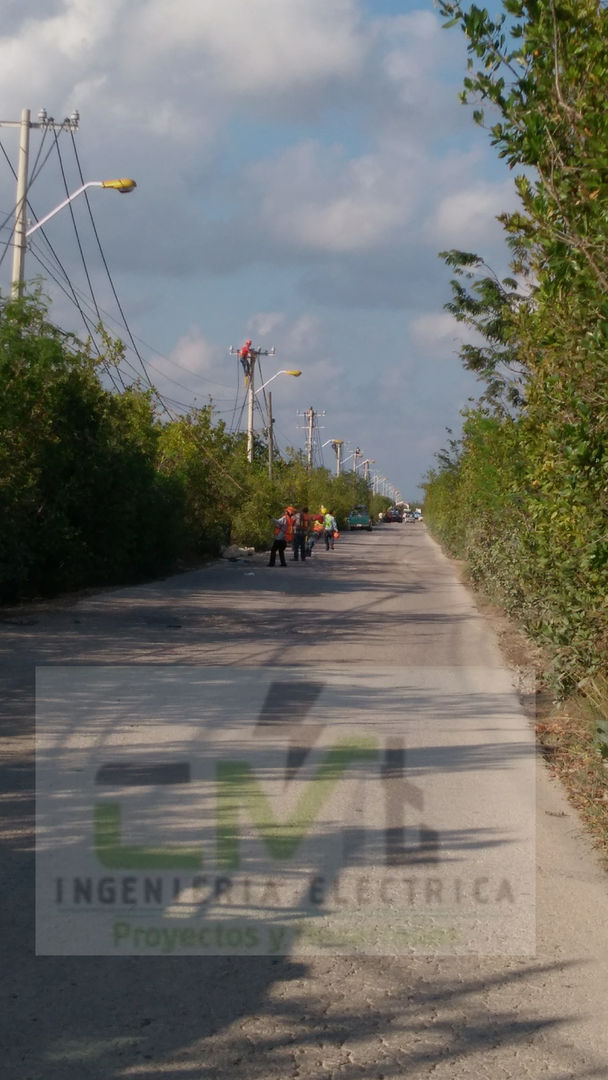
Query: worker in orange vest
[(314, 532), (283, 535)]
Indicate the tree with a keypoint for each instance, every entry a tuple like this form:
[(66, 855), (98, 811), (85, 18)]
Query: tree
[(81, 500), (489, 307), (536, 73)]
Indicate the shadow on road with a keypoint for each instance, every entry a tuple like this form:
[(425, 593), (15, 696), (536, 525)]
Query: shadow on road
[(251, 1018), (265, 1018)]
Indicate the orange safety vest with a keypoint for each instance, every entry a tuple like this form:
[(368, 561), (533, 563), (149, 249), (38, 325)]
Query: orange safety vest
[(289, 529)]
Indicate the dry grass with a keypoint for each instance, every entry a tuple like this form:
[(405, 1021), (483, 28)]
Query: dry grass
[(567, 735), (567, 732)]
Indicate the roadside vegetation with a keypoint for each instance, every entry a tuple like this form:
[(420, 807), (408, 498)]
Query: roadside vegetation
[(522, 495), (101, 486)]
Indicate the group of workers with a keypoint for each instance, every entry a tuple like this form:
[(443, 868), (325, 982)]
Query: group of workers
[(301, 530)]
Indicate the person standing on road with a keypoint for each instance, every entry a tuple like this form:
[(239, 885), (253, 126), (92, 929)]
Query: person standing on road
[(283, 535), (329, 528), (300, 530), (315, 532)]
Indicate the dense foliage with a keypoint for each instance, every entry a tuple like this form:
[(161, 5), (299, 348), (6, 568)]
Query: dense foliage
[(524, 494), (101, 487)]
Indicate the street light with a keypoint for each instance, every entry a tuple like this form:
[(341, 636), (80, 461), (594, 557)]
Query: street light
[(252, 393), (283, 371), (337, 446), (356, 454), (124, 185)]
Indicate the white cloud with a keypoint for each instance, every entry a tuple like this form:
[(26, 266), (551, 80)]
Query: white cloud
[(175, 68), (315, 198), (194, 352), (263, 324), (417, 47), (438, 332), (256, 47), (464, 217)]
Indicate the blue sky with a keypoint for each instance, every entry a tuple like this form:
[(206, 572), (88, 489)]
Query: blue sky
[(300, 163)]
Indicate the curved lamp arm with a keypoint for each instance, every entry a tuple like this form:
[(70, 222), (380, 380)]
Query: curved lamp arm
[(124, 186)]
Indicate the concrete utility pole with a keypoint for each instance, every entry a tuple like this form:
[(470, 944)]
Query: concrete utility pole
[(270, 437), (20, 240), (21, 206), (366, 464), (337, 445), (250, 401), (311, 415)]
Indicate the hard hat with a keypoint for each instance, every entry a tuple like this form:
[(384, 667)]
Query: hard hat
[(290, 509)]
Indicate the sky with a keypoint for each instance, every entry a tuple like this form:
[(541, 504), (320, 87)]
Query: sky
[(299, 165)]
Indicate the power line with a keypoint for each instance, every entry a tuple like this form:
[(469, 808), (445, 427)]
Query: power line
[(169, 360), (71, 209), (35, 172), (70, 293), (109, 276), (69, 289)]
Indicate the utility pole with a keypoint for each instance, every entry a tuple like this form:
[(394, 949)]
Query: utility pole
[(250, 402), (337, 445), (311, 415), (270, 436), (25, 125), (366, 465), (21, 206), (248, 356)]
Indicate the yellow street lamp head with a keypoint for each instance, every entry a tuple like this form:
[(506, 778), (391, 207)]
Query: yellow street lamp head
[(124, 185), (296, 373)]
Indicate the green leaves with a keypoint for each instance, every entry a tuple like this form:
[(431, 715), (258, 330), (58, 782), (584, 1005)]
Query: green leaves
[(532, 522)]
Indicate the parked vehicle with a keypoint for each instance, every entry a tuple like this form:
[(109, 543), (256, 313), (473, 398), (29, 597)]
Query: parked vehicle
[(393, 514), (359, 518)]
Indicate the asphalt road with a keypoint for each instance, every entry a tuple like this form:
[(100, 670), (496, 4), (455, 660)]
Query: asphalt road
[(382, 635)]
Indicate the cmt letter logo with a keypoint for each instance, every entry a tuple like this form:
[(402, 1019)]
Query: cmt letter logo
[(238, 788), (107, 821), (399, 792), (239, 793)]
